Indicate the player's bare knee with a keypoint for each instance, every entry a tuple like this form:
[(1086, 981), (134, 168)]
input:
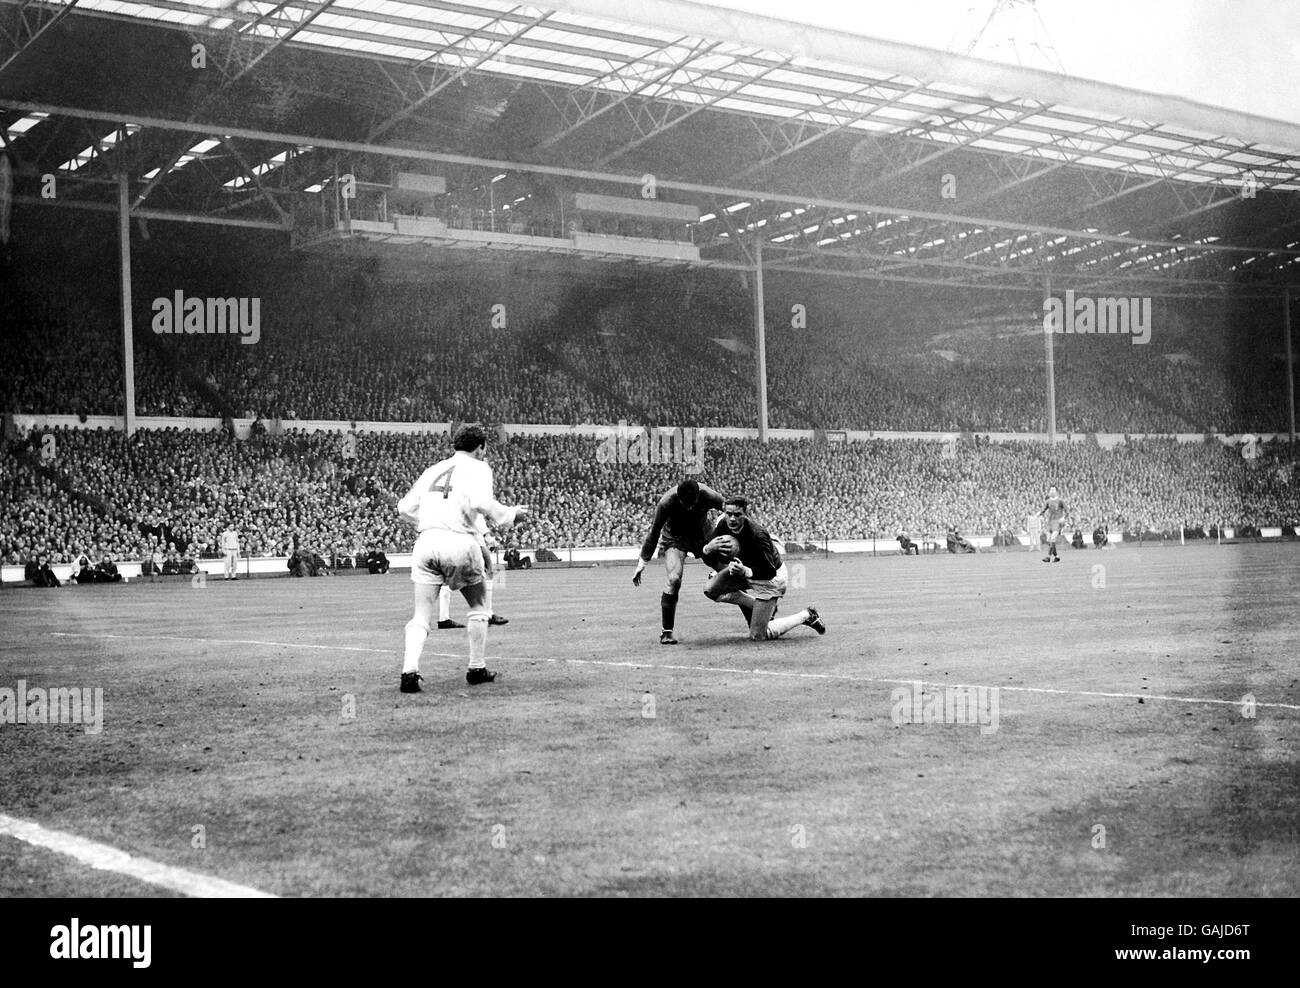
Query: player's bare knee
[(673, 587)]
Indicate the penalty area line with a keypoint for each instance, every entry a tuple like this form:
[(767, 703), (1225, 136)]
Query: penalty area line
[(102, 857), (729, 670)]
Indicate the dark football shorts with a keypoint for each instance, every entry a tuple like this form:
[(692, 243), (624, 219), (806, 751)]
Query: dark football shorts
[(670, 541)]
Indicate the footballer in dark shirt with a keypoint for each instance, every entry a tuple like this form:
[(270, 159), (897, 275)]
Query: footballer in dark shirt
[(754, 577), (681, 518)]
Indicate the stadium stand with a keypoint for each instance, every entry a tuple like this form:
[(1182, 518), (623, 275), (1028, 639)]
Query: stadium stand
[(639, 353), (104, 494)]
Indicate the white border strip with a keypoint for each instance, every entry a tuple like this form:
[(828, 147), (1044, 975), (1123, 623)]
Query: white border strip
[(104, 858)]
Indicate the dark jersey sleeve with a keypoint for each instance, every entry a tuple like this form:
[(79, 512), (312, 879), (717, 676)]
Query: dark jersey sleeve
[(712, 559), (757, 551), (710, 498), (661, 516)]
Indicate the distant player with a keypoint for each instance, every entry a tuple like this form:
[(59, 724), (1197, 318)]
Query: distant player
[(445, 504), (230, 549), (755, 579), (444, 595), (1054, 511), (682, 517)]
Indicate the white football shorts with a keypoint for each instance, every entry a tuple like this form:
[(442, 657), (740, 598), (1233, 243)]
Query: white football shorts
[(453, 559)]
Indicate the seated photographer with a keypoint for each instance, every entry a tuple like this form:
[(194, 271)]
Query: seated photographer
[(909, 547), (172, 563), (40, 574), (376, 562), (1076, 540), (319, 567), (956, 543), (82, 570), (300, 564), (106, 571), (1100, 536)]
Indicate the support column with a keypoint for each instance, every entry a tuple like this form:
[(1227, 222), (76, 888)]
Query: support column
[(1290, 369), (1051, 371), (128, 341), (760, 342)]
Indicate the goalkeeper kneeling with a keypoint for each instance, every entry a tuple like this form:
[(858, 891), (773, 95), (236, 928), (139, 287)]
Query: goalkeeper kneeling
[(749, 573)]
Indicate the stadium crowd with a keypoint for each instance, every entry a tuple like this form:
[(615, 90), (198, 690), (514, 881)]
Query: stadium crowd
[(331, 494), (405, 354)]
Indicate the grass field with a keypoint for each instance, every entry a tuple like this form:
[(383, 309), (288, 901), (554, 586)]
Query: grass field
[(772, 768)]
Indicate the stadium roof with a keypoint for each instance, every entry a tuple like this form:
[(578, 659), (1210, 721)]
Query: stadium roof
[(839, 154)]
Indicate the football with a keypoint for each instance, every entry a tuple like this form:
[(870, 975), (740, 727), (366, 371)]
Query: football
[(727, 546)]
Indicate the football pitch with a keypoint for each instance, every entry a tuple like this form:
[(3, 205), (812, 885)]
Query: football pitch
[(1131, 729)]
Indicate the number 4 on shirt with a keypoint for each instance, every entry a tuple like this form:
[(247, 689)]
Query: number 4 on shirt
[(440, 485)]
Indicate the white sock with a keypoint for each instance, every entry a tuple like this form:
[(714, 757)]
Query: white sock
[(779, 626), (476, 627), (488, 600), (444, 603), (416, 633)]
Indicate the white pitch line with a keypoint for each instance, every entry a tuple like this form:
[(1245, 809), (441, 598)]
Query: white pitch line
[(104, 858), (778, 673)]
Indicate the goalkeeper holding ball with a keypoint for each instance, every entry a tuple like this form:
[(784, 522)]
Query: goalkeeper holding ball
[(750, 574), (682, 516)]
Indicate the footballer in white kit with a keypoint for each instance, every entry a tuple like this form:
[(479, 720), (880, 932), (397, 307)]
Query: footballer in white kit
[(444, 595), (445, 505)]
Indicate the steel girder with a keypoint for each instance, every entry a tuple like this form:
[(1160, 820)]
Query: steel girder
[(630, 79), (466, 53), (246, 44), (652, 118), (24, 23), (947, 248)]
